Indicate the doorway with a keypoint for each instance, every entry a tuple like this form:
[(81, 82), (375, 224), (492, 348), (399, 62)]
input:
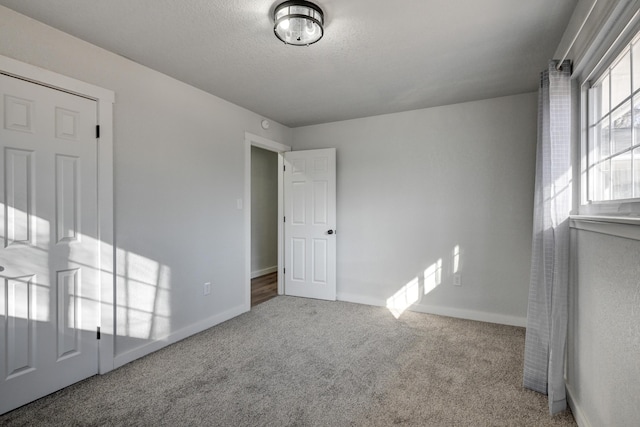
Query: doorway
[(255, 268), (264, 225)]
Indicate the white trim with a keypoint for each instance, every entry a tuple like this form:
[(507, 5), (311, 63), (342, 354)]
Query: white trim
[(48, 78), (267, 144), (360, 299), (106, 235), (606, 219), (130, 356), (262, 272), (280, 226), (104, 99), (480, 316), (625, 227), (576, 410), (577, 34), (613, 36), (247, 223)]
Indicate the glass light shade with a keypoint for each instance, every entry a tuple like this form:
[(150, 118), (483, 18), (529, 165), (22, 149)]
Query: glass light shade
[(298, 23)]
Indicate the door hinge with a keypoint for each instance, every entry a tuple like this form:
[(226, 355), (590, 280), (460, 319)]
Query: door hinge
[(284, 271), (284, 168), (98, 334), (97, 131), (285, 219)]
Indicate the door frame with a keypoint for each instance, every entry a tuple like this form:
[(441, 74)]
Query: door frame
[(251, 140), (104, 102)]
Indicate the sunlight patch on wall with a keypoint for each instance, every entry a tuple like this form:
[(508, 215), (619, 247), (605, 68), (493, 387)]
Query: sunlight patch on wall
[(432, 276), (143, 309), (456, 259), (404, 298), (430, 279), (43, 273)]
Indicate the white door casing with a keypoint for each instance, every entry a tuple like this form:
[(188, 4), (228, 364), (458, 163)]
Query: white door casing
[(252, 140), (50, 250), (310, 223)]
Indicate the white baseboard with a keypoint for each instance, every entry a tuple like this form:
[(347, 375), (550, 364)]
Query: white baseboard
[(577, 411), (264, 271), (181, 334), (481, 316), (360, 299)]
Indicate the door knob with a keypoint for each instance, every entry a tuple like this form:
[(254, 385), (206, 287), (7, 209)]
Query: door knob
[(328, 232), (1, 268)]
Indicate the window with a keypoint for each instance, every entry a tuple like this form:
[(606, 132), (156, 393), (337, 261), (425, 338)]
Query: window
[(614, 129)]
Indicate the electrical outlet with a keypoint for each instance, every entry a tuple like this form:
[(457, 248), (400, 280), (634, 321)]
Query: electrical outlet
[(456, 279), (206, 288)]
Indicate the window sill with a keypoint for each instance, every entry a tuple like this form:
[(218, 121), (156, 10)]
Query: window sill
[(625, 227)]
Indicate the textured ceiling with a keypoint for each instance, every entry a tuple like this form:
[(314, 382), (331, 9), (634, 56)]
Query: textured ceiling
[(376, 56)]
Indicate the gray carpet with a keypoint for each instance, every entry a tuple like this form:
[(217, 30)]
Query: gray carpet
[(299, 362)]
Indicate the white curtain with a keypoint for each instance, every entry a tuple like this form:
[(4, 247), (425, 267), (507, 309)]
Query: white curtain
[(548, 305)]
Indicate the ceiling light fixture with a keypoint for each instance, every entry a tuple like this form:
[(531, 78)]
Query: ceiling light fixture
[(298, 22)]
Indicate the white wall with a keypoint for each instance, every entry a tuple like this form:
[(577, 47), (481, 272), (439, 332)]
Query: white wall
[(603, 349), (179, 168), (264, 211), (412, 186)]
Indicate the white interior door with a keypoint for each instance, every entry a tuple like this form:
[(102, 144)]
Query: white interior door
[(310, 222), (49, 289)]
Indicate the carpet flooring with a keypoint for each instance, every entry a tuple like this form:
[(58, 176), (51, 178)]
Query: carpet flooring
[(302, 362)]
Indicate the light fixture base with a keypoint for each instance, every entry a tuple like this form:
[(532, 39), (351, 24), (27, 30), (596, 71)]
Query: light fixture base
[(298, 22)]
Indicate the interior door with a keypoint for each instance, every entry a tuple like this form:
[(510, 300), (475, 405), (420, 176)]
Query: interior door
[(49, 289), (310, 223)]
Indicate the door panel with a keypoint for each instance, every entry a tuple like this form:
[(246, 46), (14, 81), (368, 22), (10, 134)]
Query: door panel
[(19, 346), (298, 259), (310, 212), (68, 301), (66, 198), (19, 196), (49, 290), (319, 260)]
